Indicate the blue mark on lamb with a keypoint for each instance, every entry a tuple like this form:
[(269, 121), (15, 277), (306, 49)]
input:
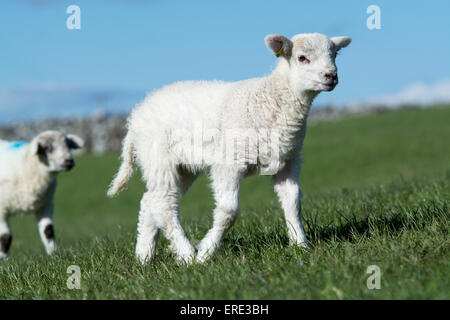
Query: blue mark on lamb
[(18, 144)]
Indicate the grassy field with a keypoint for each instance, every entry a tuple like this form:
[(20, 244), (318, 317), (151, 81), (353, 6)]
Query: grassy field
[(376, 192)]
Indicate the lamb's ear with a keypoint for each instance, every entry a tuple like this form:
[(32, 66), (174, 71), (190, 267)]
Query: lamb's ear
[(279, 44), (38, 146), (341, 42), (74, 141), (35, 146)]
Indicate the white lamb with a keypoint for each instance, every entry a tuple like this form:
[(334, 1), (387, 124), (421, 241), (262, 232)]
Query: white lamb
[(259, 124), (28, 180)]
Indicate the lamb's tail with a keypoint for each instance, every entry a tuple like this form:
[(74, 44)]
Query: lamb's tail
[(126, 169)]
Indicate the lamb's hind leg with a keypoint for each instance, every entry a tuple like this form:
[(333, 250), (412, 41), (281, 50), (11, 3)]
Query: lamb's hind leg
[(226, 193), (5, 237), (164, 196), (159, 210), (147, 231), (166, 216)]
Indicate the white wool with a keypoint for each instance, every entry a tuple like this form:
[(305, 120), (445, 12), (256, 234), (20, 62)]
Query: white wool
[(174, 125)]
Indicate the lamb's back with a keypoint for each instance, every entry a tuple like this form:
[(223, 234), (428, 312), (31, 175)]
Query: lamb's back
[(11, 157), (183, 105)]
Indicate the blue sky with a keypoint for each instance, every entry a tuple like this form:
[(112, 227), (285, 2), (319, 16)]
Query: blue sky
[(127, 48)]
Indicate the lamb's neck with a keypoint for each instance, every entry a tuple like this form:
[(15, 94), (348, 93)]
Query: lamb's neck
[(36, 174), (291, 105)]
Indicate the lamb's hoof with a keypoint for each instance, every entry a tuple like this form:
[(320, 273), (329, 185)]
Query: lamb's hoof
[(203, 256), (144, 258), (51, 250), (186, 259), (3, 256), (303, 245)]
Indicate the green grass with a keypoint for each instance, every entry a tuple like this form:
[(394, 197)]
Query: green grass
[(376, 192)]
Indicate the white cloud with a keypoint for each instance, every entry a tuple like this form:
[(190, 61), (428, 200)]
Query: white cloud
[(417, 94)]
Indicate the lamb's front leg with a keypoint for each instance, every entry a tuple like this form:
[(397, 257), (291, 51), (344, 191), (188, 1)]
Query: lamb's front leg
[(45, 226), (287, 187), (225, 184)]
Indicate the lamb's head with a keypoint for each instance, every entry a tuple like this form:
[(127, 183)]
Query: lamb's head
[(310, 59), (53, 150)]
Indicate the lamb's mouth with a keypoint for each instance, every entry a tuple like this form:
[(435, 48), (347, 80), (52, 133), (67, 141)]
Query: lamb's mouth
[(330, 85), (327, 86)]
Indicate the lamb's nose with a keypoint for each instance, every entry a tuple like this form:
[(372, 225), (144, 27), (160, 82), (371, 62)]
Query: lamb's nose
[(331, 76), (69, 163)]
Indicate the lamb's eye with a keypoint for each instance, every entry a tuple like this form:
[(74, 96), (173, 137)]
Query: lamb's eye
[(303, 59)]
